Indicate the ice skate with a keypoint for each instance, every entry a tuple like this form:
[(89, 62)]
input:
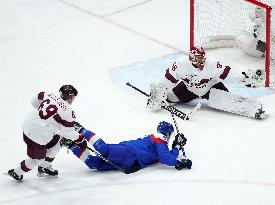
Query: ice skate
[(14, 175), (46, 171)]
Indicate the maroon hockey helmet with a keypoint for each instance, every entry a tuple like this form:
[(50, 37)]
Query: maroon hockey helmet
[(197, 57), (67, 91)]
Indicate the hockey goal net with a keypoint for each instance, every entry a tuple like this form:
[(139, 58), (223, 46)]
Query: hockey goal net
[(236, 23)]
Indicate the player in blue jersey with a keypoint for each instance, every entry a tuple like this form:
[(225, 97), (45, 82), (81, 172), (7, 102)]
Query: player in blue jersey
[(133, 154)]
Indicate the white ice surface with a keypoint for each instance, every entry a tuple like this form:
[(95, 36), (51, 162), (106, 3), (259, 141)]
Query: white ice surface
[(91, 43)]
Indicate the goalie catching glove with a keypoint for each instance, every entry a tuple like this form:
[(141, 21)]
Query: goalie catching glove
[(80, 142), (179, 141)]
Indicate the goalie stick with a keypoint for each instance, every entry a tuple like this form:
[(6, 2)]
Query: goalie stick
[(170, 108)]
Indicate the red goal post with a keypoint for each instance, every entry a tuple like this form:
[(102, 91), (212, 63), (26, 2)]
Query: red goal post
[(240, 11)]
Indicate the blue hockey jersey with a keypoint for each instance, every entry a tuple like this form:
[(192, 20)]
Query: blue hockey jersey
[(152, 148), (148, 150)]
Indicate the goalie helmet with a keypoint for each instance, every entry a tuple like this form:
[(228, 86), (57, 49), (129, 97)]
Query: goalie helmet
[(165, 128), (197, 57), (67, 91)]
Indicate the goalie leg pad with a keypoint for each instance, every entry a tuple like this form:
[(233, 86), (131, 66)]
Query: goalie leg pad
[(229, 102)]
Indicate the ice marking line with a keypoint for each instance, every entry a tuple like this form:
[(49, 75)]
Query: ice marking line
[(127, 8), (169, 181), (120, 25)]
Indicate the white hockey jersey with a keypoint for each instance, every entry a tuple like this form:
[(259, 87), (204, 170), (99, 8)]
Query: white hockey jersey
[(52, 115), (196, 81)]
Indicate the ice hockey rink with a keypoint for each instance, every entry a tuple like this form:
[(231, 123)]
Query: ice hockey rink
[(98, 46)]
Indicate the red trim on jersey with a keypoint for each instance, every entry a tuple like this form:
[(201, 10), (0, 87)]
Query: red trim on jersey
[(65, 123), (157, 140), (90, 137), (41, 95), (170, 77), (81, 152)]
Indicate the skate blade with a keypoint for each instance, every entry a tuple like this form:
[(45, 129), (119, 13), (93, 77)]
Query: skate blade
[(6, 174), (41, 175), (264, 117), (193, 112)]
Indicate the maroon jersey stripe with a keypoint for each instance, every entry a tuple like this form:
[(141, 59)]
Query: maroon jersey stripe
[(65, 123), (48, 159), (225, 72), (204, 81), (41, 95), (170, 77), (24, 167)]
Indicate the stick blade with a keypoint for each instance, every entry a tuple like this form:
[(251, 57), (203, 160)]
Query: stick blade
[(194, 111)]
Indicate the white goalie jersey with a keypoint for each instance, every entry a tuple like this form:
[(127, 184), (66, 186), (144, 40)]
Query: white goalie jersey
[(52, 115), (197, 81)]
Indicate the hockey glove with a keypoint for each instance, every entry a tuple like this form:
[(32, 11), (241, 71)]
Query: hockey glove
[(66, 142), (77, 127), (183, 163), (179, 140)]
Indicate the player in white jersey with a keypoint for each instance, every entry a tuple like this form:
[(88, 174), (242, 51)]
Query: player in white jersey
[(187, 81), (51, 118), (195, 77)]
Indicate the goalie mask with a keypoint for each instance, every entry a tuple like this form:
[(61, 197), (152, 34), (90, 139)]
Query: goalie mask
[(197, 57), (165, 128)]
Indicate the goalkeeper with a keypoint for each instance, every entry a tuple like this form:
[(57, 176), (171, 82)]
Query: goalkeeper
[(133, 154)]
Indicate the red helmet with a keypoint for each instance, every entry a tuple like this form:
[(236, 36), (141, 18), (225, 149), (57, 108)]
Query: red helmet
[(197, 57), (67, 91)]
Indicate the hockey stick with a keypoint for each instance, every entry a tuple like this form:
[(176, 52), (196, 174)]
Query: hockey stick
[(125, 171), (177, 129), (170, 108)]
